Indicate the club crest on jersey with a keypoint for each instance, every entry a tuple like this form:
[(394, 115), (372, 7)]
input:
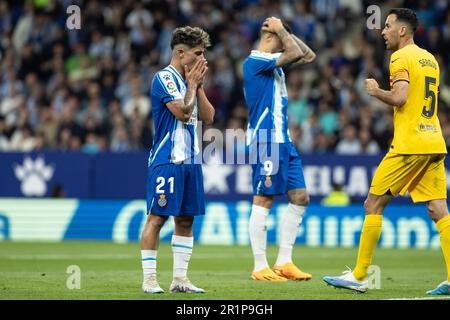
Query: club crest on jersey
[(268, 182), (162, 201)]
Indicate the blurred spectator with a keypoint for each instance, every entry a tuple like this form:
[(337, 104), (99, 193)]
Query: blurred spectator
[(4, 141), (298, 110), (23, 139), (40, 142), (10, 105), (48, 126), (89, 89), (91, 145), (368, 146), (336, 198), (137, 102), (327, 118), (349, 144), (120, 140), (64, 139)]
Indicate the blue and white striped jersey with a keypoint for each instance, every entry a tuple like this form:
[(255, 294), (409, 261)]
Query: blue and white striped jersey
[(266, 96), (174, 141)]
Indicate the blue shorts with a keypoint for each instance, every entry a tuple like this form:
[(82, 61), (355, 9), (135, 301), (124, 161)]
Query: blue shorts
[(277, 177), (175, 190)]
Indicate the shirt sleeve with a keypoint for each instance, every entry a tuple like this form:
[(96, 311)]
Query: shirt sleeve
[(398, 67), (262, 62), (165, 87)]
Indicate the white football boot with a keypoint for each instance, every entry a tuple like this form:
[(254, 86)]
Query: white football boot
[(184, 285), (347, 281), (150, 285)]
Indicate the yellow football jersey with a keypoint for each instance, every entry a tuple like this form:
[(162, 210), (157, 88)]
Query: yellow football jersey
[(416, 125)]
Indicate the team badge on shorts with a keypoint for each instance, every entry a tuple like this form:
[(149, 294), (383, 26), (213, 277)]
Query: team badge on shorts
[(268, 182), (162, 201)]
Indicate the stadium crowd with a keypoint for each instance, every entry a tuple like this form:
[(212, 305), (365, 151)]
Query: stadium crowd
[(88, 89)]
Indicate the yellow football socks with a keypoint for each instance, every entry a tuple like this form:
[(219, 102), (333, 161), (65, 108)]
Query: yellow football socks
[(369, 238), (443, 227)]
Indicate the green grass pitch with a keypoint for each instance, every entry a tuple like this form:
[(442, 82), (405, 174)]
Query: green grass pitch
[(113, 271)]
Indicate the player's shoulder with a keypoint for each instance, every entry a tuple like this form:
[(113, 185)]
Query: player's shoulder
[(404, 56), (411, 52), (257, 59), (419, 55), (427, 58), (165, 74), (164, 82), (164, 78), (399, 54), (259, 55)]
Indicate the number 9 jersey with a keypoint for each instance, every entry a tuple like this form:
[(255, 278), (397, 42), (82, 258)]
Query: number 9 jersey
[(416, 125)]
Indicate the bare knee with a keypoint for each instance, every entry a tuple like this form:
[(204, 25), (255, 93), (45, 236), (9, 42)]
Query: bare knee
[(150, 234), (298, 197), (376, 204), (372, 206), (155, 222), (183, 226), (369, 205), (437, 209), (263, 201), (432, 213)]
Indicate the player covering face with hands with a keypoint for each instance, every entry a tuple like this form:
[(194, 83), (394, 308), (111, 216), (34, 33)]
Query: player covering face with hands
[(175, 179), (278, 168)]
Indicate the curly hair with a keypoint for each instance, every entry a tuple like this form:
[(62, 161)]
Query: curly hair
[(190, 36)]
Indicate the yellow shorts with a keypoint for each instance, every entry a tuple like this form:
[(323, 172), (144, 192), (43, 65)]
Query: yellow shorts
[(422, 175)]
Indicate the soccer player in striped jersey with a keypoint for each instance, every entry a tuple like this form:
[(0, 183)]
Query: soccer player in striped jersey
[(266, 97), (175, 178)]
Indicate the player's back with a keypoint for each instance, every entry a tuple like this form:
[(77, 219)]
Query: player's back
[(416, 125)]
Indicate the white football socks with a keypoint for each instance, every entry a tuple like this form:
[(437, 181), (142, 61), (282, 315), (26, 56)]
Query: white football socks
[(258, 236), (148, 262), (182, 251), (290, 224)]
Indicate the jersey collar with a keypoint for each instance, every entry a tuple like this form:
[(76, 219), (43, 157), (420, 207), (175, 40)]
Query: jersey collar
[(171, 67)]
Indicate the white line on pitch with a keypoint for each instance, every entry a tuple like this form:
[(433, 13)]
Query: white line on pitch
[(418, 298)]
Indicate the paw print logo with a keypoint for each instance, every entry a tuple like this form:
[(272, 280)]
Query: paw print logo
[(33, 176)]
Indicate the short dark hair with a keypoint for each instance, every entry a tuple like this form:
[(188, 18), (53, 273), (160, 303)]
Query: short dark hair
[(190, 36), (406, 15)]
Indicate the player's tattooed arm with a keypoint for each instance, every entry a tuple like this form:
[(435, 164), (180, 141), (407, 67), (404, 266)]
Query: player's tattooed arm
[(395, 97), (182, 109), (309, 57), (292, 52)]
